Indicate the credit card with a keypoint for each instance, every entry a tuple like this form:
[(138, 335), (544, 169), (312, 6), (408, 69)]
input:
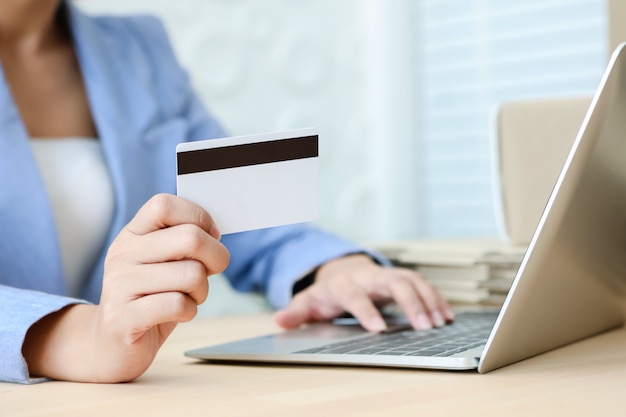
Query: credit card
[(254, 181)]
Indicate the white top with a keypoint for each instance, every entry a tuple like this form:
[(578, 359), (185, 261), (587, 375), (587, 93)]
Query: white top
[(81, 194)]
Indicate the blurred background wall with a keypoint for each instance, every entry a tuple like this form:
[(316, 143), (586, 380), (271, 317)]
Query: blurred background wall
[(402, 91)]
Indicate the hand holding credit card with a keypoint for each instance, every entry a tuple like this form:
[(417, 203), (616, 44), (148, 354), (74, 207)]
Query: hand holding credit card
[(254, 181)]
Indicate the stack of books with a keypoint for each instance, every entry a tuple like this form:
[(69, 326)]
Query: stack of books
[(477, 271)]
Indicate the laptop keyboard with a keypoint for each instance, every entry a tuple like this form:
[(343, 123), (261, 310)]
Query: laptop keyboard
[(469, 330)]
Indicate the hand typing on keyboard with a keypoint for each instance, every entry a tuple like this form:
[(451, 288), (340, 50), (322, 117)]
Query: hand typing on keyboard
[(358, 285), (470, 330)]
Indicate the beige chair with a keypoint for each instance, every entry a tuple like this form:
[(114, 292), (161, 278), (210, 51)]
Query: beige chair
[(531, 142)]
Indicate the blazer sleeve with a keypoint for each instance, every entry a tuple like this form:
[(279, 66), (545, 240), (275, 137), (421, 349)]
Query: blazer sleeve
[(19, 310), (269, 260)]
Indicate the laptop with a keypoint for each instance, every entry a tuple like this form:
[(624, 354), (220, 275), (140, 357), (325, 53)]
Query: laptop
[(570, 285)]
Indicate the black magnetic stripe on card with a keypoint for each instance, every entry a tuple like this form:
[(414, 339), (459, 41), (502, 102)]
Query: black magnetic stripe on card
[(202, 160)]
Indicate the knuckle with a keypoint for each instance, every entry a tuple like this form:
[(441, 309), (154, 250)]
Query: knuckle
[(182, 307), (223, 259), (113, 271), (161, 204), (177, 302), (413, 276), (195, 271), (115, 256), (194, 280), (193, 238), (355, 299), (342, 281), (400, 284), (410, 274), (397, 279)]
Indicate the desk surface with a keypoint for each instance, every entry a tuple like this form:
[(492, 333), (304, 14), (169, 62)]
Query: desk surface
[(586, 378)]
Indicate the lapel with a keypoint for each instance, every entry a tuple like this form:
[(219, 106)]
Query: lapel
[(29, 249), (94, 50), (90, 49), (30, 254), (121, 95), (123, 108)]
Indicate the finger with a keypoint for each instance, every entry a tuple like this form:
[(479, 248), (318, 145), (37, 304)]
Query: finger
[(166, 210), (437, 307), (185, 241), (186, 276), (356, 301), (406, 296), (152, 310), (444, 306)]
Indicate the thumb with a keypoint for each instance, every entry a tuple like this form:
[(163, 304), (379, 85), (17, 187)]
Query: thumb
[(165, 210)]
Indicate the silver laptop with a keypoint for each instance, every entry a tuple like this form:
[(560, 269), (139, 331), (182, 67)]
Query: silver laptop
[(570, 285)]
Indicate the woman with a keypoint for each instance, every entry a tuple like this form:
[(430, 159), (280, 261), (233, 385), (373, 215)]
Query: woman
[(98, 260)]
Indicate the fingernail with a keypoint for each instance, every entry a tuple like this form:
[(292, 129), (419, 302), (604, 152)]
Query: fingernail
[(215, 232), (423, 322), (438, 319), (449, 313), (377, 324)]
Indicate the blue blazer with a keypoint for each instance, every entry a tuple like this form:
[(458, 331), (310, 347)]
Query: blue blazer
[(143, 105)]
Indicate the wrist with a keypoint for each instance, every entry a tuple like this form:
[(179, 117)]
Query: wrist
[(55, 346)]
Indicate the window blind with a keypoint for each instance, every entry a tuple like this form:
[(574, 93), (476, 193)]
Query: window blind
[(473, 54)]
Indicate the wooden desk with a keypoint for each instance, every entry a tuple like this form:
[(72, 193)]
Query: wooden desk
[(584, 379)]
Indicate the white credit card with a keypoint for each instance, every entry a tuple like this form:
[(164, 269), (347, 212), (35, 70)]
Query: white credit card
[(252, 182)]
